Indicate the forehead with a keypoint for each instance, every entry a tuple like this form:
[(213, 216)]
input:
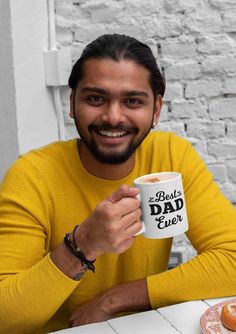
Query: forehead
[(118, 75)]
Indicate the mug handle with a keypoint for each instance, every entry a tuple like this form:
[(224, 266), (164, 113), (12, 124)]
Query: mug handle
[(143, 228)]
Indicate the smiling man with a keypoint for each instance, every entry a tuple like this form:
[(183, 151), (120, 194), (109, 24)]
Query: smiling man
[(69, 214), (114, 116), (114, 109)]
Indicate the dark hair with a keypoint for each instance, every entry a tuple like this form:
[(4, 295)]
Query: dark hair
[(118, 47)]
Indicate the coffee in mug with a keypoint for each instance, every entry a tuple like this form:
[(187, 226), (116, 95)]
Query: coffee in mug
[(163, 205), (153, 179)]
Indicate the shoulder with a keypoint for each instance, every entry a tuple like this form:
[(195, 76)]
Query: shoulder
[(51, 150), (41, 160), (166, 141), (165, 150), (49, 154)]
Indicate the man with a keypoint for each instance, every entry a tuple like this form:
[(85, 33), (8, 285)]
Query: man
[(70, 203)]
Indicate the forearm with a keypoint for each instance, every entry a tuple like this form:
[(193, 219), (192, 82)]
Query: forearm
[(126, 297), (209, 275), (29, 299), (131, 296), (67, 259), (66, 262)]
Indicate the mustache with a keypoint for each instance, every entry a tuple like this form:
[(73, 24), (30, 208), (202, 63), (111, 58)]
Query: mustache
[(109, 127)]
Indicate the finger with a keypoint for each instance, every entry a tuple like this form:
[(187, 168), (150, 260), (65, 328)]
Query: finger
[(123, 191), (126, 205), (134, 227), (72, 322), (129, 222), (126, 244)]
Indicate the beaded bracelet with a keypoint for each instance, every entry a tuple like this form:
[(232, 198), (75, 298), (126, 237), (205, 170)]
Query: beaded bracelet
[(76, 251)]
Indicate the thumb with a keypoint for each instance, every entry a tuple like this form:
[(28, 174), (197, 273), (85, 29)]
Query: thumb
[(123, 191)]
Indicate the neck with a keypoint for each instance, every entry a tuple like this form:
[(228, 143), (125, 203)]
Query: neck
[(102, 170)]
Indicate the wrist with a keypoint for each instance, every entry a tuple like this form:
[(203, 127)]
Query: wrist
[(82, 240), (65, 261), (76, 251), (131, 296), (110, 303)]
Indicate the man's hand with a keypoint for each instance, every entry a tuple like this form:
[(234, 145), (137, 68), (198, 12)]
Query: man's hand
[(112, 225), (132, 296), (110, 228), (90, 312)]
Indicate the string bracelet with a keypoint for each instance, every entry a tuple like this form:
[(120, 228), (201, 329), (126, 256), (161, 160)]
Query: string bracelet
[(76, 251), (88, 263), (68, 245)]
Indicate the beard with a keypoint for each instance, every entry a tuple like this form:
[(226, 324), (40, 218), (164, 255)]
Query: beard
[(112, 156)]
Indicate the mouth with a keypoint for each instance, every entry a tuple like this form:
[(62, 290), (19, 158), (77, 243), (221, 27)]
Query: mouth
[(112, 132)]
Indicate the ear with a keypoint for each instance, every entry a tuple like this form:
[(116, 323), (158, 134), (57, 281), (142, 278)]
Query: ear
[(157, 109), (72, 104)]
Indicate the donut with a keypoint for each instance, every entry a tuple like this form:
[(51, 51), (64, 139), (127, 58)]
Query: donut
[(228, 316)]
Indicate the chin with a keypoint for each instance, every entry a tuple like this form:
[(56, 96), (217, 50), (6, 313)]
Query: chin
[(112, 158)]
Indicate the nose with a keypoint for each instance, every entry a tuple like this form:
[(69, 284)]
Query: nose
[(113, 114)]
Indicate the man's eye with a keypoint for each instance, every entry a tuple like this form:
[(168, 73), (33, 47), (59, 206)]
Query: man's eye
[(133, 102), (95, 99)]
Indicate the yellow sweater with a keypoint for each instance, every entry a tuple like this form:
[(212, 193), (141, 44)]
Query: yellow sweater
[(47, 191)]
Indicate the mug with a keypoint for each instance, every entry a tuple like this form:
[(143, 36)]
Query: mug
[(163, 205)]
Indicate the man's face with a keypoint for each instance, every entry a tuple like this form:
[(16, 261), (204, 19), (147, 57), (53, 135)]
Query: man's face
[(113, 108)]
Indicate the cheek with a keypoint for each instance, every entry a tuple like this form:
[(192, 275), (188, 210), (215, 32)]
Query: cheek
[(84, 117), (142, 119)]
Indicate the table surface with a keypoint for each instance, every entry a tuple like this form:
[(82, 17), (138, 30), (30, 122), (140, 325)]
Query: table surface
[(179, 318)]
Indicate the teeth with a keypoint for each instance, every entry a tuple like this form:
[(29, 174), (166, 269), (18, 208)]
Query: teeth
[(112, 134)]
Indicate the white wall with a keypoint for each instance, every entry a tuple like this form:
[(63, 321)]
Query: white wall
[(26, 111), (194, 41), (8, 125)]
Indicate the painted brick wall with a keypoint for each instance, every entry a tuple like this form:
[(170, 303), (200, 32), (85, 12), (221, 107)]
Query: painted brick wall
[(194, 42)]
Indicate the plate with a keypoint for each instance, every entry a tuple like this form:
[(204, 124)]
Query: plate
[(210, 321)]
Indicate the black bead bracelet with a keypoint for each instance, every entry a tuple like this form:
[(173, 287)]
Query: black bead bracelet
[(76, 251)]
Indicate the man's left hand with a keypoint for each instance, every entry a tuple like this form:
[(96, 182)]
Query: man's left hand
[(90, 312), (131, 296)]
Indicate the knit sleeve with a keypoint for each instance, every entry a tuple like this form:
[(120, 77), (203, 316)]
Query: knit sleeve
[(212, 231), (32, 288)]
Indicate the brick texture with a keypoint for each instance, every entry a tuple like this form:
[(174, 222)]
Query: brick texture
[(195, 43)]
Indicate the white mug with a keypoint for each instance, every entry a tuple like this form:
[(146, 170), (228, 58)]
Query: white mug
[(163, 205)]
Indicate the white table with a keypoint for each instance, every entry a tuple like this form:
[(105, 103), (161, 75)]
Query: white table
[(179, 318)]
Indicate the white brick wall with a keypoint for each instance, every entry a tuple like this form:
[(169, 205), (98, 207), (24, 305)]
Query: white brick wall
[(195, 42)]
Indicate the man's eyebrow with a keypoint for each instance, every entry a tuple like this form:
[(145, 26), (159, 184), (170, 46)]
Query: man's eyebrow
[(93, 90), (104, 91), (135, 93)]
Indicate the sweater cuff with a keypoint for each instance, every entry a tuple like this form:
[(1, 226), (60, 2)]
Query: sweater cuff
[(152, 292), (158, 296), (58, 274)]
